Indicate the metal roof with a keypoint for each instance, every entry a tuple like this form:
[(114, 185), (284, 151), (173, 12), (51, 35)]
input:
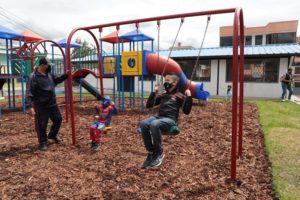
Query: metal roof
[(277, 50)]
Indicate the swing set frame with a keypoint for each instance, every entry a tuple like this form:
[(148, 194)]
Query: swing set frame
[(237, 72)]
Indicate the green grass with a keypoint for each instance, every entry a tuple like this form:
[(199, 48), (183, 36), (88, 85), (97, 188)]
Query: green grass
[(281, 127)]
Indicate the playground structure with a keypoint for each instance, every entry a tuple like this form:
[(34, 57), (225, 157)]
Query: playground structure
[(152, 61), (22, 53), (17, 66)]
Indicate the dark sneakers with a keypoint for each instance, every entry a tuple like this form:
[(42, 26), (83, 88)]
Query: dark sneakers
[(95, 146), (56, 138), (157, 160), (153, 160), (147, 161), (43, 147)]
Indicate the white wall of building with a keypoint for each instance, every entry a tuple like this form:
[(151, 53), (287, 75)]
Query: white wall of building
[(259, 90)]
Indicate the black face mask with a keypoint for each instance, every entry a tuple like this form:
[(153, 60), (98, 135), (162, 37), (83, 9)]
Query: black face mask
[(168, 86), (48, 70)]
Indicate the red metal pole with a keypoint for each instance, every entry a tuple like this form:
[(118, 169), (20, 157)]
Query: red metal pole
[(234, 94), (99, 62), (241, 79), (165, 17), (68, 47), (71, 78), (32, 55), (66, 95)]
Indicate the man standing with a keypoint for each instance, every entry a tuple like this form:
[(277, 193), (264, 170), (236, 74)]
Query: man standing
[(286, 84), (170, 103), (41, 97)]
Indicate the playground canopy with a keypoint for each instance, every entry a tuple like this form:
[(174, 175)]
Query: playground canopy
[(63, 43), (136, 35), (113, 38), (30, 36), (6, 33)]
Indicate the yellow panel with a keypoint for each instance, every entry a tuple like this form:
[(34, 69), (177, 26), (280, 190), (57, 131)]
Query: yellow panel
[(109, 65), (132, 63)]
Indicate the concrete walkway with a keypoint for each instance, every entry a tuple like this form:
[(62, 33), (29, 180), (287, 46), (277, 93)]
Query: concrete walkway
[(295, 99)]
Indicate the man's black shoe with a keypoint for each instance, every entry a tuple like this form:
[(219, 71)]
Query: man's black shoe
[(56, 138), (96, 146), (147, 161), (43, 147), (156, 160)]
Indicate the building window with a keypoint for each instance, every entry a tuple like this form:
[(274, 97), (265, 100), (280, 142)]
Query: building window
[(258, 39), (248, 40), (226, 41), (281, 38), (202, 71), (257, 70)]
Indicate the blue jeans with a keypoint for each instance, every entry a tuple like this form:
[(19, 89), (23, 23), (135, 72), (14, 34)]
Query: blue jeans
[(152, 128), (284, 88)]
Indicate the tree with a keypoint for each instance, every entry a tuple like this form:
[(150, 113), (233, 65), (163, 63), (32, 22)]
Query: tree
[(83, 51)]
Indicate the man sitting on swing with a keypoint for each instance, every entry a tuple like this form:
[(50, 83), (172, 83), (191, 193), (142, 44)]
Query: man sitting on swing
[(152, 128)]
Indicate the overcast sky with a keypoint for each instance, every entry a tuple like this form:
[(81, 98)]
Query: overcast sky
[(54, 19)]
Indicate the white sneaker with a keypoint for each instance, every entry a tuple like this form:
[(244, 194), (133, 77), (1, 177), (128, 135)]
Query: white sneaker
[(283, 100)]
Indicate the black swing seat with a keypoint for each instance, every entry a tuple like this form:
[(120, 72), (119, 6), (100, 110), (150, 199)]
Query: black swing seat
[(174, 130)]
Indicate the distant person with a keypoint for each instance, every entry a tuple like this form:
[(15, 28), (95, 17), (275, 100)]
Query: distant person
[(104, 110), (170, 103), (229, 93), (286, 84), (40, 96)]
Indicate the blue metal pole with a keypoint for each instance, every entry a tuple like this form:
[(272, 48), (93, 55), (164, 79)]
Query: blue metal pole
[(8, 73), (114, 88), (142, 99), (130, 92), (52, 59), (23, 72), (134, 92), (113, 49), (119, 81), (13, 75), (122, 82), (152, 46)]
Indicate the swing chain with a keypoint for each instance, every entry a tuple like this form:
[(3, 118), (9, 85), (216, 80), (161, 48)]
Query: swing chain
[(199, 52), (172, 47)]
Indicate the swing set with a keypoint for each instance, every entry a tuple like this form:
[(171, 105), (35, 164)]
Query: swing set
[(238, 68)]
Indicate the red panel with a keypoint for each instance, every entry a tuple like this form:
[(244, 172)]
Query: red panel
[(82, 73), (112, 38)]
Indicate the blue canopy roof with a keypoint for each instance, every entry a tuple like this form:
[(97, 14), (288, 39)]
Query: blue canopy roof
[(6, 33), (136, 35), (63, 43)]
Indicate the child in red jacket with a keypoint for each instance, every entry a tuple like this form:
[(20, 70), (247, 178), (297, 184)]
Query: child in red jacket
[(104, 111)]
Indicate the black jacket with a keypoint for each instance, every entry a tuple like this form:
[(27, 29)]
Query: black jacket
[(41, 89), (170, 104)]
